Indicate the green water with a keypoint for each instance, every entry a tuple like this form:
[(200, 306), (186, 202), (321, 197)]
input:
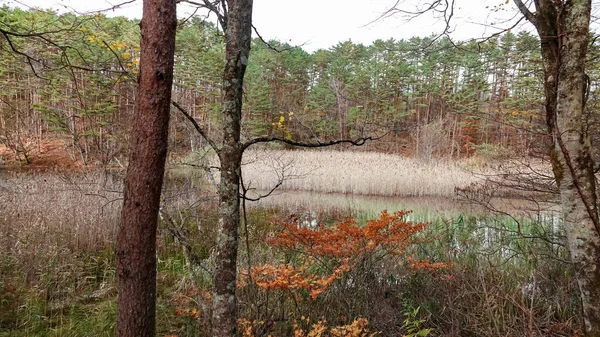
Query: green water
[(506, 229), (427, 209)]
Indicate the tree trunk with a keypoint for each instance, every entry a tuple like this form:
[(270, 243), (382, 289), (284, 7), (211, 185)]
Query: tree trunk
[(238, 34), (136, 243), (563, 30), (224, 282), (573, 164)]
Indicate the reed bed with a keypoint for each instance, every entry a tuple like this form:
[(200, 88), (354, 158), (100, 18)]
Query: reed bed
[(57, 233), (364, 173), (75, 211)]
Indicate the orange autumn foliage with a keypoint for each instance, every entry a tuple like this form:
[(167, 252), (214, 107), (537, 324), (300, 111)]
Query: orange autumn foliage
[(390, 233), (315, 257), (358, 328), (427, 266), (341, 246), (288, 278)]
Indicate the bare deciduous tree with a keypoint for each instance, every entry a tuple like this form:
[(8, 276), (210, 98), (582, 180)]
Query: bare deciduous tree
[(235, 17)]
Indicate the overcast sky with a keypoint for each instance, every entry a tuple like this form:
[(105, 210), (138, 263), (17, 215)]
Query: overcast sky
[(324, 23)]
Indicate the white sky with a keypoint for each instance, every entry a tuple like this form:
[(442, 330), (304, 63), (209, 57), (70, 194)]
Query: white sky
[(324, 23)]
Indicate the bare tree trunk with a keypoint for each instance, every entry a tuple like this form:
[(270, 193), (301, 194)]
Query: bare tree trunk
[(573, 164), (237, 51), (136, 243), (563, 29), (224, 320)]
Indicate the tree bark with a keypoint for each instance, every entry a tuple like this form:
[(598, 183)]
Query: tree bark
[(238, 32), (563, 28), (136, 243)]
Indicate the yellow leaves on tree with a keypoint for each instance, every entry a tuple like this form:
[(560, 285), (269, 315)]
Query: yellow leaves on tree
[(121, 49), (282, 124)]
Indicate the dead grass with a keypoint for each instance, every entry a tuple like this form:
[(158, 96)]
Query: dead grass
[(363, 173), (56, 259), (78, 211), (57, 232)]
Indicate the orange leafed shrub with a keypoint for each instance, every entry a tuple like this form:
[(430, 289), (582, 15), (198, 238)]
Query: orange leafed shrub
[(426, 265), (390, 233), (288, 278), (341, 245), (316, 257), (358, 328)]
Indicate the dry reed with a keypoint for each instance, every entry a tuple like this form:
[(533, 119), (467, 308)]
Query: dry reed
[(48, 212), (363, 173)]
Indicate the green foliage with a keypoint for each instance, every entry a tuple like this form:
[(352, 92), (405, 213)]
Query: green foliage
[(482, 92), (413, 323)]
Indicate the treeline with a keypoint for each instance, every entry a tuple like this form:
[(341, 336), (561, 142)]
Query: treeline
[(73, 78)]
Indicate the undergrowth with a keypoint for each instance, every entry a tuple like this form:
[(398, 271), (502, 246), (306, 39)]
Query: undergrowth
[(465, 276)]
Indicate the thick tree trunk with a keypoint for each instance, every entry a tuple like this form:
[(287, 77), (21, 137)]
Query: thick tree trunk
[(136, 243), (573, 164), (563, 30), (237, 51)]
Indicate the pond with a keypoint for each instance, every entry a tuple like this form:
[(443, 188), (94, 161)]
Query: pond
[(504, 228), (426, 209)]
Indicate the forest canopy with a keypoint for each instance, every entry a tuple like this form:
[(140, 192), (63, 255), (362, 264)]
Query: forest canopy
[(74, 77)]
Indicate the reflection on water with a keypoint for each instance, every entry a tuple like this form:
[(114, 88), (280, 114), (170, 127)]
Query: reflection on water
[(424, 208), (464, 225)]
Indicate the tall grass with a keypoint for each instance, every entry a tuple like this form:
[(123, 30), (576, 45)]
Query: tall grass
[(365, 173), (57, 262), (57, 258), (67, 211), (77, 211), (56, 239)]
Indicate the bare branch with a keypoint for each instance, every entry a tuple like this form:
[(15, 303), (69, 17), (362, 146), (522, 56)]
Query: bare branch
[(115, 7), (396, 10), (217, 7), (281, 177), (196, 126), (357, 142), (526, 12), (28, 58), (115, 54), (502, 31), (181, 23), (177, 233), (47, 38), (270, 46), (445, 8)]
